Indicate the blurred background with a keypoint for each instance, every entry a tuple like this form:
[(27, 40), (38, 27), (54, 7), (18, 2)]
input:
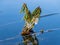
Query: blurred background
[(11, 22)]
